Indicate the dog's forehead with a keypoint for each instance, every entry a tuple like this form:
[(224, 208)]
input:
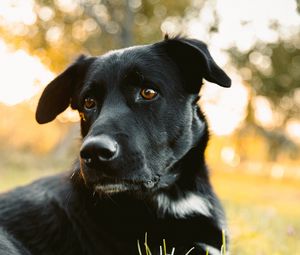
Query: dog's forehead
[(132, 50), (115, 63), (123, 57)]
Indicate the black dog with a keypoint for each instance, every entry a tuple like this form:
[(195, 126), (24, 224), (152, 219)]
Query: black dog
[(141, 167)]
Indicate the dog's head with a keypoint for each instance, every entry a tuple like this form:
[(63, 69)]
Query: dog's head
[(138, 111)]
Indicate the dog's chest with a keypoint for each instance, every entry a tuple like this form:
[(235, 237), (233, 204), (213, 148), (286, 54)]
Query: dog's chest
[(116, 228)]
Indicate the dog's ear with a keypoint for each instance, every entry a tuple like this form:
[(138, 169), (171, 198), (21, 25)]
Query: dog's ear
[(57, 95), (194, 62)]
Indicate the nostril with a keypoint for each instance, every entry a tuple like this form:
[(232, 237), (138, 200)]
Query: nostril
[(107, 148), (107, 153), (86, 156), (98, 148), (87, 161)]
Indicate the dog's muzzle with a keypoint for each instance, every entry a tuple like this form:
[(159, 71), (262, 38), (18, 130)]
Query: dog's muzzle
[(107, 169)]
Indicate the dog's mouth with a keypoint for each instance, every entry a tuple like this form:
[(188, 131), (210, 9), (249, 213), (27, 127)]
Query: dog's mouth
[(109, 185)]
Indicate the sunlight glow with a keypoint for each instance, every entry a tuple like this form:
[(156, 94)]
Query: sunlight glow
[(244, 22), (230, 157), (225, 109), (256, 17), (67, 5), (17, 11), (277, 171), (263, 112), (21, 75), (293, 129)]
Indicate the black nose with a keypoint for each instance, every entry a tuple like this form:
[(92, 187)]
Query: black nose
[(99, 148)]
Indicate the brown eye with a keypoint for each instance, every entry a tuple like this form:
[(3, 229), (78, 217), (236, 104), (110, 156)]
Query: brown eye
[(148, 94), (89, 103)]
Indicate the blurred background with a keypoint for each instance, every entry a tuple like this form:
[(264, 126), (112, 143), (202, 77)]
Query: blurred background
[(254, 152)]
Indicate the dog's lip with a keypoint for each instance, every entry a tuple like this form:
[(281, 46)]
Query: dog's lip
[(113, 185), (111, 188), (134, 182)]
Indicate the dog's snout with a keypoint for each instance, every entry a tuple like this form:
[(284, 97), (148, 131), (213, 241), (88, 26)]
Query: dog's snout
[(99, 148)]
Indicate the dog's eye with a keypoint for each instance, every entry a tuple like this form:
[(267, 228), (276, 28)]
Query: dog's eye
[(89, 103), (148, 94)]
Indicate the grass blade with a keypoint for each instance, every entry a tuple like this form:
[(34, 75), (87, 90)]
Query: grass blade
[(139, 247), (173, 251), (223, 248), (165, 247), (190, 250)]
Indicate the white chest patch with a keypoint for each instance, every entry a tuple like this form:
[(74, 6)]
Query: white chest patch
[(184, 206)]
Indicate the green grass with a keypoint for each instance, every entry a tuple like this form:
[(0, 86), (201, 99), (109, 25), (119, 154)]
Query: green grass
[(263, 213), (163, 248), (22, 168)]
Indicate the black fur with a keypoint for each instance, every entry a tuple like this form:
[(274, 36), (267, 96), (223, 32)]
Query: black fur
[(156, 182)]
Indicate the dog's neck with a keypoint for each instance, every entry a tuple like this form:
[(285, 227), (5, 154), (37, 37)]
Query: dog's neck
[(186, 196), (192, 165), (188, 193)]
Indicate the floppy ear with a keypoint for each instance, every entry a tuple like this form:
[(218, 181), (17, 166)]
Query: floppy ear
[(194, 62), (58, 94)]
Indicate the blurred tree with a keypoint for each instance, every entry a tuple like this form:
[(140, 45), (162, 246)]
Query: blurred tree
[(64, 28), (272, 72)]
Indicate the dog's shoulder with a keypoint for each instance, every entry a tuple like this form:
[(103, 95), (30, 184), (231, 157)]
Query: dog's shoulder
[(34, 214), (36, 194), (37, 200), (10, 246)]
